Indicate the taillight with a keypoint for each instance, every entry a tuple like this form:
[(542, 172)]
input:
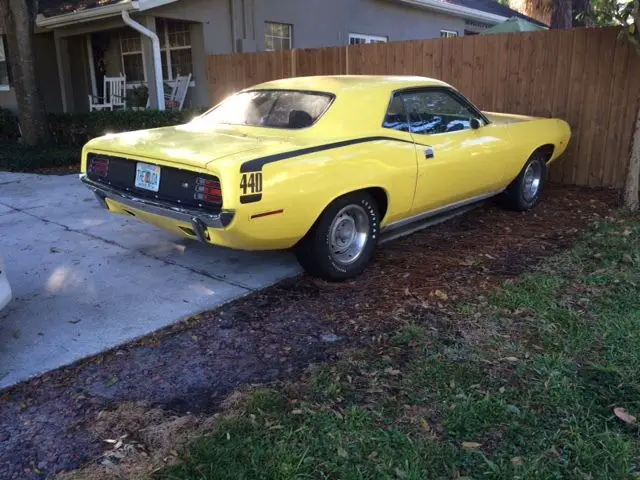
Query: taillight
[(208, 190), (98, 166)]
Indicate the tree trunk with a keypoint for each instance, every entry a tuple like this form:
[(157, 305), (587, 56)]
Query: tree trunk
[(561, 14), (632, 182), (18, 22)]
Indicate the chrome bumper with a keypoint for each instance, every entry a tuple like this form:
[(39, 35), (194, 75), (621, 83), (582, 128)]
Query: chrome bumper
[(200, 220)]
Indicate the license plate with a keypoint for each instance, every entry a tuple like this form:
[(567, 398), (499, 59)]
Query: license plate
[(148, 176)]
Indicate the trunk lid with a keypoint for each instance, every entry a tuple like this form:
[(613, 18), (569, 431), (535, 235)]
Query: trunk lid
[(189, 145)]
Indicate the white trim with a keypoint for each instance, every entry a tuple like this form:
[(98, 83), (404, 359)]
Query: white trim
[(368, 38), (448, 33), (5, 88), (458, 10)]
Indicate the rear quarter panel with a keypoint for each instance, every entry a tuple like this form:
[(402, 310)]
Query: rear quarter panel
[(303, 186)]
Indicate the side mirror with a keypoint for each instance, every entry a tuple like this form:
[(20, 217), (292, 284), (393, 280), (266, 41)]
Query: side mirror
[(475, 123)]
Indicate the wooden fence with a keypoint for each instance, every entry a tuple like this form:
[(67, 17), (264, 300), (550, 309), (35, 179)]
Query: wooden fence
[(585, 76)]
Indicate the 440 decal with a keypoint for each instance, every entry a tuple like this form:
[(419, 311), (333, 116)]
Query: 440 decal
[(250, 187)]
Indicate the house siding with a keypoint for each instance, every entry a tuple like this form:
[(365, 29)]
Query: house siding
[(315, 23), (329, 22), (224, 26)]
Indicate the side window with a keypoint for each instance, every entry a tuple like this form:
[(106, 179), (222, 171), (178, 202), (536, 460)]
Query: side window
[(437, 111), (396, 118)]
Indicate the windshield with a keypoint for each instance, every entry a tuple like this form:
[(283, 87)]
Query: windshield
[(271, 108)]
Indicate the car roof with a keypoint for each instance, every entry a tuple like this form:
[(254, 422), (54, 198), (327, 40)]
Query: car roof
[(338, 83)]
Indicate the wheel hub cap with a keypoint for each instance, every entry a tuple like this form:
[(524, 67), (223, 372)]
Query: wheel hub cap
[(348, 234), (532, 181)]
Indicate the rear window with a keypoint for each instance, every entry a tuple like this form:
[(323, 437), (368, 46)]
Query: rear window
[(271, 108)]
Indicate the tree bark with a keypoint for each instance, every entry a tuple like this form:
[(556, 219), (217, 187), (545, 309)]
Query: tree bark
[(18, 19), (632, 182), (561, 14)]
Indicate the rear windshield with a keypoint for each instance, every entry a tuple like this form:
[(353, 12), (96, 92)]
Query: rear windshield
[(271, 108)]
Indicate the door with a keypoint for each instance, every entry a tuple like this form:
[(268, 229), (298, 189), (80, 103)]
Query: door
[(455, 161)]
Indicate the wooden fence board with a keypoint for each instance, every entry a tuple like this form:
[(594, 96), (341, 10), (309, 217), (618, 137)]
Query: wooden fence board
[(585, 76)]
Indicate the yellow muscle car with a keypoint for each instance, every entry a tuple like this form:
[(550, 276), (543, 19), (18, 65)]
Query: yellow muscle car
[(324, 165)]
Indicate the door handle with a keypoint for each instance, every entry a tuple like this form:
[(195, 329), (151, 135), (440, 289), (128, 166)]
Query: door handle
[(429, 153)]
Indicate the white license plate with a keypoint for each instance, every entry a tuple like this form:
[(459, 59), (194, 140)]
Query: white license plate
[(148, 176)]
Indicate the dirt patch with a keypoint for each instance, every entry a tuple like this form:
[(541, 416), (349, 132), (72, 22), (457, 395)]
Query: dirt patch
[(137, 439), (61, 170), (49, 424)]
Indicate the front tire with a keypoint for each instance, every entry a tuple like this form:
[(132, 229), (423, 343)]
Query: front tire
[(342, 241), (524, 191)]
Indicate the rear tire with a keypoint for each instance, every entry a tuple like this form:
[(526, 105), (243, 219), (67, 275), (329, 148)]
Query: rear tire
[(524, 191), (342, 241)]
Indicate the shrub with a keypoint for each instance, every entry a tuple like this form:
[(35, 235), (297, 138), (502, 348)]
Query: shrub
[(69, 132), (79, 128), (17, 157), (8, 125)]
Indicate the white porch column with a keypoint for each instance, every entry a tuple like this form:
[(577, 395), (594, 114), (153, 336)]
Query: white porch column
[(149, 22)]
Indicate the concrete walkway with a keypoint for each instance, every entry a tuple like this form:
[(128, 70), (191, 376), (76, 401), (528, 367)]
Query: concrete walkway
[(85, 280)]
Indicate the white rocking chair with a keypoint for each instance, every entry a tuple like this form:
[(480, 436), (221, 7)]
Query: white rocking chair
[(179, 91), (115, 94)]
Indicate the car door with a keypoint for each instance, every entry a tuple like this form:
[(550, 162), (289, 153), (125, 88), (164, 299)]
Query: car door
[(455, 161)]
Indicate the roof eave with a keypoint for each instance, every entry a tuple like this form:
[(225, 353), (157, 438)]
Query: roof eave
[(97, 13), (457, 10)]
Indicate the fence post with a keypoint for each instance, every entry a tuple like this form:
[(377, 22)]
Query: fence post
[(346, 59), (293, 62)]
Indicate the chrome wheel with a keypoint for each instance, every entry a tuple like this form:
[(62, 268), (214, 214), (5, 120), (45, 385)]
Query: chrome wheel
[(348, 234), (532, 180)]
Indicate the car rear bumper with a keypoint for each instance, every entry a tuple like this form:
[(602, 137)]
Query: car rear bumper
[(200, 220)]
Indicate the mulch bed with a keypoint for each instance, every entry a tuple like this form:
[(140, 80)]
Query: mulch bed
[(62, 170), (277, 333)]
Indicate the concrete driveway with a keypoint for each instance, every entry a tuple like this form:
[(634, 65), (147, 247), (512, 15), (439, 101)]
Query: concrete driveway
[(85, 280)]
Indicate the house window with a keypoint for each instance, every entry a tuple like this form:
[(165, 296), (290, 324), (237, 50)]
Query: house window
[(132, 58), (175, 47), (358, 38), (278, 36), (4, 64), (448, 33)]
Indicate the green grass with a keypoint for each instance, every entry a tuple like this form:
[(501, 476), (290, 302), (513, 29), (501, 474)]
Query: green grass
[(533, 398)]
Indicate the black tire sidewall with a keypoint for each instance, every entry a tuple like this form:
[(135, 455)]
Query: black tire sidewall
[(516, 190), (327, 266)]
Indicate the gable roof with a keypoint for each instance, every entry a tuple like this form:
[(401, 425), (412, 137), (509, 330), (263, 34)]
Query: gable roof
[(495, 8)]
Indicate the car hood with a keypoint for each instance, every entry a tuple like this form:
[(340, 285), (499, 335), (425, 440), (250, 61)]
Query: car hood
[(189, 144)]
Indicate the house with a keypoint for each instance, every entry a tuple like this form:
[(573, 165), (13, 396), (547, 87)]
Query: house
[(78, 42)]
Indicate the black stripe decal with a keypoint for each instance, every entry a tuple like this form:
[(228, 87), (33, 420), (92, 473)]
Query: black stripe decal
[(251, 198), (256, 164)]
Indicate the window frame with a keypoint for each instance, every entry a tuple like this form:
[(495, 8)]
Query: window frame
[(449, 33), (290, 38), (368, 39), (332, 98), (5, 87), (166, 51), (134, 83), (449, 90)]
